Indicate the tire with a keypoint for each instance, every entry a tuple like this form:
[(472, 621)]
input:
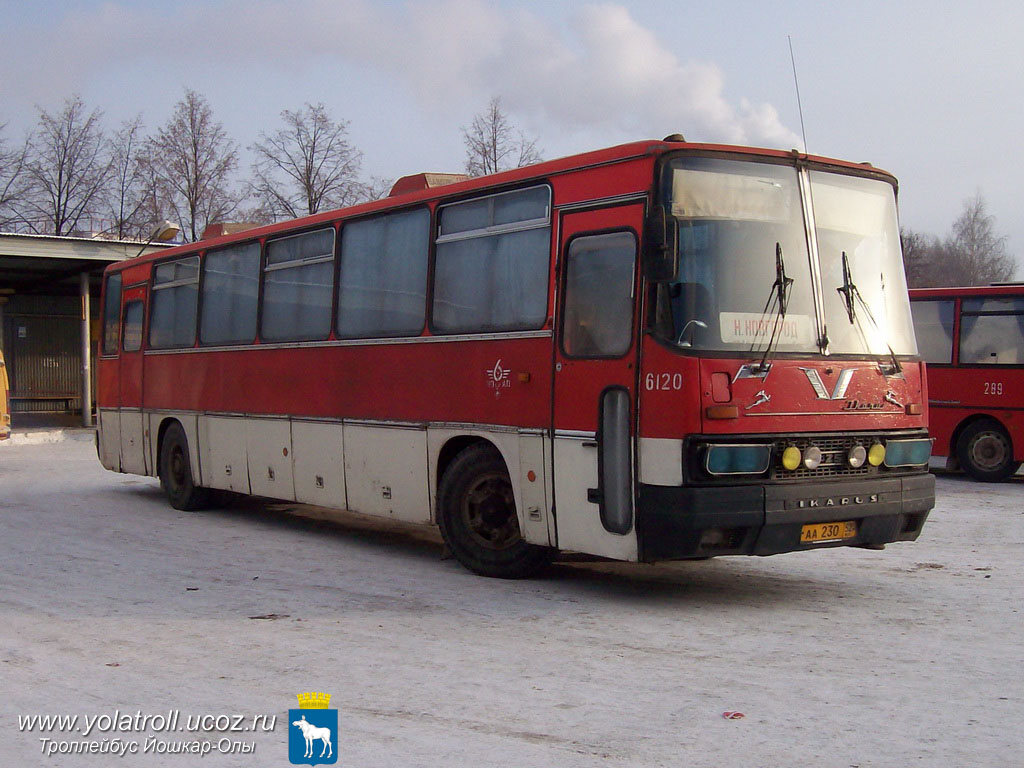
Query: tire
[(478, 521), (985, 451), (176, 472)]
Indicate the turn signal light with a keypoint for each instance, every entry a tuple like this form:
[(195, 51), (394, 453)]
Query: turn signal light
[(722, 412)]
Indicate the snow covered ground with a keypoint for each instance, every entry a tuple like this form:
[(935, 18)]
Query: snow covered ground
[(112, 601)]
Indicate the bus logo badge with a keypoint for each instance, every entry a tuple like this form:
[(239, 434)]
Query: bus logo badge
[(313, 731), (498, 377), (842, 383)]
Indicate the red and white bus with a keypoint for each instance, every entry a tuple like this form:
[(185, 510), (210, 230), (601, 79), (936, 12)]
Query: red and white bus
[(656, 351), (973, 342)]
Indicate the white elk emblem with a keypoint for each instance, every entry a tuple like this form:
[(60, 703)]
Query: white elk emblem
[(310, 733)]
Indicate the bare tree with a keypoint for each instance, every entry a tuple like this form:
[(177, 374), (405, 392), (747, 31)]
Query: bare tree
[(306, 167), (494, 144), (12, 179), (66, 170), (919, 252), (190, 162), (375, 189), (127, 197), (973, 254), (977, 251)]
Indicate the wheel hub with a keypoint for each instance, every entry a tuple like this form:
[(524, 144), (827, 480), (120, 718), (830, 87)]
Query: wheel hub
[(989, 451), (178, 468), (489, 511)]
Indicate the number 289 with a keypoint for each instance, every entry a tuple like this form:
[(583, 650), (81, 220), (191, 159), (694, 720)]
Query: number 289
[(993, 387)]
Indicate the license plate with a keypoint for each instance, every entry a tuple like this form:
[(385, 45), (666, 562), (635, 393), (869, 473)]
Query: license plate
[(819, 532)]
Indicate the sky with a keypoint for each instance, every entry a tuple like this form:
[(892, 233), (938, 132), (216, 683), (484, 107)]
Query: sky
[(931, 91)]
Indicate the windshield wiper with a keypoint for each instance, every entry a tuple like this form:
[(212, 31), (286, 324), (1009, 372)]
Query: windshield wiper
[(849, 290), (776, 307), (851, 297)]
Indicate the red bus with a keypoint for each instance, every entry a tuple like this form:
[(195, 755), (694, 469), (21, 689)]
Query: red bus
[(973, 342), (655, 351)]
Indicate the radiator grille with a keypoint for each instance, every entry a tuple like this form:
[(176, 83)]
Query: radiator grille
[(833, 457)]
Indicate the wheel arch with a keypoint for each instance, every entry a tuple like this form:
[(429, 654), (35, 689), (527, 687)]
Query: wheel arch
[(190, 427), (525, 454), (985, 449), (966, 422), (165, 424), (452, 448)]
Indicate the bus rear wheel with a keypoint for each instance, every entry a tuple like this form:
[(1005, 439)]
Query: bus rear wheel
[(985, 451), (478, 520), (176, 472)]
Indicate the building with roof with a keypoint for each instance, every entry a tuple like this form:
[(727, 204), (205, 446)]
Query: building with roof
[(49, 319)]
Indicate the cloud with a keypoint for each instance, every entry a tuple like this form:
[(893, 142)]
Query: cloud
[(598, 73)]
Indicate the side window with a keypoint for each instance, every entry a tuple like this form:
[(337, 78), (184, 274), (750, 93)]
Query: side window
[(133, 316), (230, 291), (491, 263), (382, 284), (992, 331), (933, 326), (599, 289), (298, 283), (172, 321), (111, 314)]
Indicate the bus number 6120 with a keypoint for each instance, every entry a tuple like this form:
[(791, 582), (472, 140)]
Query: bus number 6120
[(663, 381)]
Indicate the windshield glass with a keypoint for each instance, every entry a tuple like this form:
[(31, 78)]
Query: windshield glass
[(731, 217), (857, 216)]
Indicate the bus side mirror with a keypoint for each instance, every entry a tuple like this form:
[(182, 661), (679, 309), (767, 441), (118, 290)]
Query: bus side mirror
[(661, 247)]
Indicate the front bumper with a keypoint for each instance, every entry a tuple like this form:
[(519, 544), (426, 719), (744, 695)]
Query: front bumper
[(685, 522)]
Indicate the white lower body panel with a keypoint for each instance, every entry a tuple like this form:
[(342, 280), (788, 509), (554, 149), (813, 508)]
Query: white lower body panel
[(376, 468), (578, 519)]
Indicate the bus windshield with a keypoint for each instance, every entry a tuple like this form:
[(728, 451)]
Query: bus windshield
[(857, 217), (736, 217)]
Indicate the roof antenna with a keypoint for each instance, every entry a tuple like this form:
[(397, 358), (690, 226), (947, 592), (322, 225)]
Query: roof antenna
[(796, 82)]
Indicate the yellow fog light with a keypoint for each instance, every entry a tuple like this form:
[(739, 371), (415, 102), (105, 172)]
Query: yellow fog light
[(791, 458), (857, 456), (876, 454), (812, 457)]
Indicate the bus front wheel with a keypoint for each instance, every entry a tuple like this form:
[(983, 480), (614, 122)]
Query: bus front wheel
[(477, 517), (176, 472), (986, 452)]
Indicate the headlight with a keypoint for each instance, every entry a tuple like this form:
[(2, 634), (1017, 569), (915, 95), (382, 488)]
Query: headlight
[(857, 456), (908, 453), (791, 457), (876, 454), (736, 459), (812, 457)]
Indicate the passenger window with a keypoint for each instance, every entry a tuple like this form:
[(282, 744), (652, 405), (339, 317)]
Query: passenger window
[(133, 316), (230, 293), (599, 289), (112, 314), (991, 339), (933, 326), (298, 285), (492, 262), (172, 321), (382, 286)]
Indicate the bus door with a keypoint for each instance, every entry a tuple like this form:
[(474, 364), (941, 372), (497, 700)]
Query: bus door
[(595, 381), (133, 312)]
